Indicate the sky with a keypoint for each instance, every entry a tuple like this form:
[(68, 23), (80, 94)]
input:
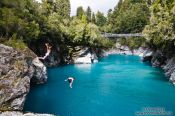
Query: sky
[(96, 5)]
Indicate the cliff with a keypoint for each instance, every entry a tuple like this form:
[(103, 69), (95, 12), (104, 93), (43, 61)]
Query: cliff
[(17, 71), (160, 59), (84, 56)]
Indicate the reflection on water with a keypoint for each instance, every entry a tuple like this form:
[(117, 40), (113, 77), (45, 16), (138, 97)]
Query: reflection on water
[(84, 67)]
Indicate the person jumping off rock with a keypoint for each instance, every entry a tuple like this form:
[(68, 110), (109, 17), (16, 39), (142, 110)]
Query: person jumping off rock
[(48, 51)]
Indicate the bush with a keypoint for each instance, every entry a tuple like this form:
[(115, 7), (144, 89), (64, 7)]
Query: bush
[(16, 43), (133, 43)]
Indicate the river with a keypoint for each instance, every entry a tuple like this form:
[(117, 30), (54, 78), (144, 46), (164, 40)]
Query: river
[(119, 85)]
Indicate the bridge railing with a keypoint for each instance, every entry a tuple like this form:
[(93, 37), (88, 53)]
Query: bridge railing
[(112, 35)]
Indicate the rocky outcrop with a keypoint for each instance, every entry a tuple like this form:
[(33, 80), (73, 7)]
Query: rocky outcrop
[(22, 114), (16, 71), (158, 59), (120, 49), (85, 56), (147, 55), (169, 69), (40, 72), (15, 76), (54, 58)]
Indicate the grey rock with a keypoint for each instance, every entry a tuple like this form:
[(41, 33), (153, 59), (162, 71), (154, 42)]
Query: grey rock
[(158, 59), (172, 77), (16, 71), (40, 72), (169, 69), (14, 113), (124, 50), (147, 55), (85, 56)]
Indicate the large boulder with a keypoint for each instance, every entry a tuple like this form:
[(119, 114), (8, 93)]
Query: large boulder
[(54, 58), (85, 56), (147, 55), (40, 72), (16, 71), (158, 59)]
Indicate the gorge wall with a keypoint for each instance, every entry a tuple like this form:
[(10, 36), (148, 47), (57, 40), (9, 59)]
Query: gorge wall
[(17, 71)]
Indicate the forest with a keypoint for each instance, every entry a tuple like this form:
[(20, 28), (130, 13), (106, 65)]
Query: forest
[(27, 23)]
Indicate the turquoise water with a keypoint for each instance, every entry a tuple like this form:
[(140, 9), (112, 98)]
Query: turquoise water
[(118, 85)]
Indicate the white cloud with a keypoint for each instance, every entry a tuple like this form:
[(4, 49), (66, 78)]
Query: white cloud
[(101, 5)]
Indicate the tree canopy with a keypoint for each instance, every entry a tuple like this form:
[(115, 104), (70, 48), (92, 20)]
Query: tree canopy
[(128, 16), (161, 30)]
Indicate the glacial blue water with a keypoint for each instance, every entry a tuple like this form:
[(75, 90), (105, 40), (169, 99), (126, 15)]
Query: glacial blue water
[(118, 85)]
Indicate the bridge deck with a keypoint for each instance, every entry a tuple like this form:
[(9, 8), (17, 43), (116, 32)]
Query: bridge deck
[(112, 35)]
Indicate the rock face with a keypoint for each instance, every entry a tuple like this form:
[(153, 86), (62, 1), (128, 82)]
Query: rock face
[(158, 59), (16, 71), (40, 72), (169, 69), (84, 56), (21, 114), (124, 50), (147, 55), (54, 58)]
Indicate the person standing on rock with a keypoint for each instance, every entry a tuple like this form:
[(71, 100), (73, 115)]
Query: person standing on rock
[(70, 80), (48, 47)]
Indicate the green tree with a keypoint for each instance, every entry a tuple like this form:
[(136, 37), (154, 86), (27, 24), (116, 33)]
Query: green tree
[(93, 18), (160, 31), (17, 17), (84, 19), (87, 34), (129, 16), (80, 12), (100, 19), (119, 5), (62, 7), (89, 14)]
